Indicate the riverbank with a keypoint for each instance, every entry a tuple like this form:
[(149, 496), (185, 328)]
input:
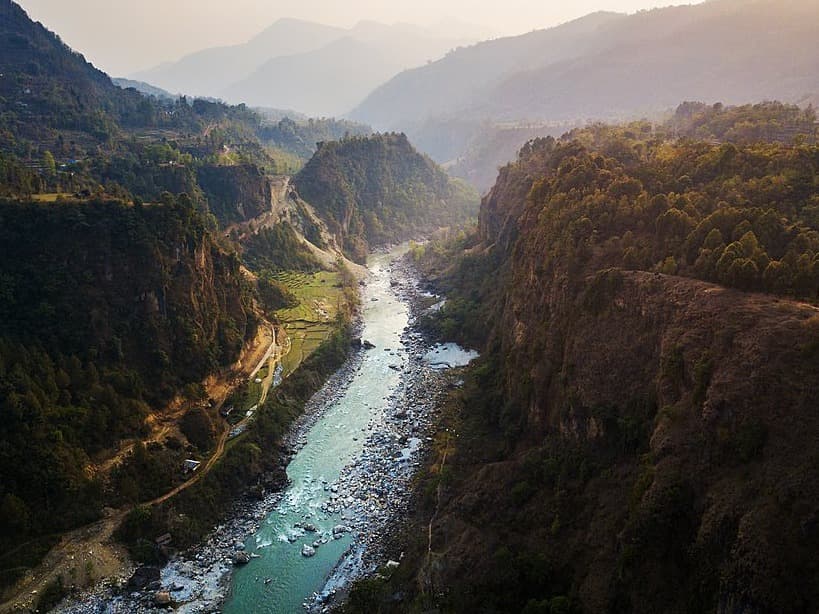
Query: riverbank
[(369, 496), (373, 493), (198, 580)]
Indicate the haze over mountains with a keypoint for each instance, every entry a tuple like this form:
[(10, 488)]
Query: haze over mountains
[(312, 68), (610, 66), (605, 66)]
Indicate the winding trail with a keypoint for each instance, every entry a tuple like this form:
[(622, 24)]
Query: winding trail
[(274, 355), (94, 543), (437, 498)]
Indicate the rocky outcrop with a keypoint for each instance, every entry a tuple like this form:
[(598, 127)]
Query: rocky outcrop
[(143, 577), (632, 442)]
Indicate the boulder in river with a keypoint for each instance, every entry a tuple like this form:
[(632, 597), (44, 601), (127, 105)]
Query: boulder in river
[(368, 345), (308, 551), (241, 558), (142, 577)]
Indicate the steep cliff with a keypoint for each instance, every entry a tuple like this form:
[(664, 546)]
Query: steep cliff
[(632, 440)]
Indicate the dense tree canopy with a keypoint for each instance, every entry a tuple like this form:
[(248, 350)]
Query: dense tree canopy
[(375, 190), (741, 215), (125, 306)]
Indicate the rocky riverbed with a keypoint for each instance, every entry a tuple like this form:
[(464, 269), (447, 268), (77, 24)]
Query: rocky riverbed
[(370, 495)]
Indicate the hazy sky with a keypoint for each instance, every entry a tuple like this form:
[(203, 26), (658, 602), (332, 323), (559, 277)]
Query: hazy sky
[(123, 36)]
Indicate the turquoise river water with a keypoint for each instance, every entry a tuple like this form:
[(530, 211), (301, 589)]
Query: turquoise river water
[(349, 474), (281, 578)]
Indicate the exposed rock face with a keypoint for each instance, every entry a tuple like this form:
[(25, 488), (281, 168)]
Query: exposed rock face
[(235, 193), (646, 442)]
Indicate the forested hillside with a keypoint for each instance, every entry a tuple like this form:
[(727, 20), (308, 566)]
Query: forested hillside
[(639, 434), (376, 190), (125, 306), (143, 88), (66, 129), (45, 85), (744, 124)]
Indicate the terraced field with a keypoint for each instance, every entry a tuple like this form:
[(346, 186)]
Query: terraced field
[(307, 325), (310, 322), (50, 197)]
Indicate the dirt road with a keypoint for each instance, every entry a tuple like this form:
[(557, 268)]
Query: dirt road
[(89, 554)]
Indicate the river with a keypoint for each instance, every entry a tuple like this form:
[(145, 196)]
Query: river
[(357, 450), (281, 579)]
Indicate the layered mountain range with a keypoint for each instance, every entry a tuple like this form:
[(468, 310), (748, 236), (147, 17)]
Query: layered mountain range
[(311, 68), (606, 66)]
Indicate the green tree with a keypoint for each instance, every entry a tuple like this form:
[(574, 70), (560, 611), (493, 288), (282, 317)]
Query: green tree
[(49, 164), (668, 266)]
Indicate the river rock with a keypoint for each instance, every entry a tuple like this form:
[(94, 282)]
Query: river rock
[(163, 599), (308, 551), (241, 558), (142, 577)]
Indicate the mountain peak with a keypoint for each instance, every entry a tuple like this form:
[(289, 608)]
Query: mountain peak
[(285, 25)]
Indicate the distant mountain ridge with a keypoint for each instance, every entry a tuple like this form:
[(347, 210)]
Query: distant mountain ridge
[(457, 79), (328, 86), (209, 71), (313, 68), (143, 88), (611, 66)]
